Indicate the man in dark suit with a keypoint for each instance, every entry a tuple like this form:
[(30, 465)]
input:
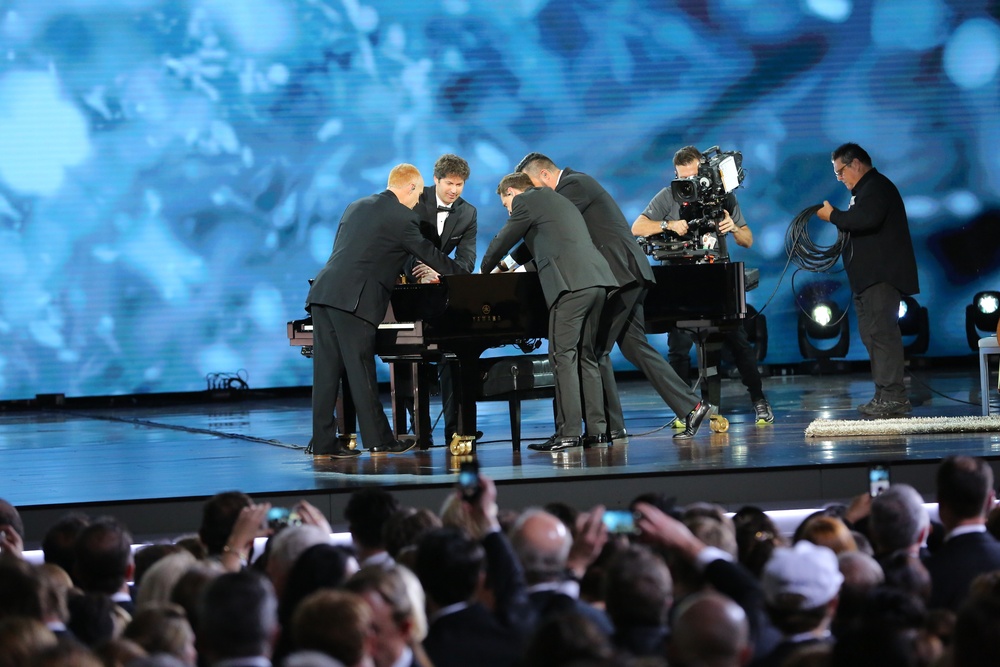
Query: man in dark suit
[(880, 266), (575, 279), (348, 300), (449, 222), (238, 620), (623, 320), (965, 496)]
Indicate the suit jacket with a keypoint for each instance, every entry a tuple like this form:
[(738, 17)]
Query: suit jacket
[(880, 250), (472, 636), (546, 603), (459, 233), (375, 238), (609, 230), (956, 563), (556, 237)]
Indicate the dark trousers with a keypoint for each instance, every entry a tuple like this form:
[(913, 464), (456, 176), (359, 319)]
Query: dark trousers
[(344, 343), (629, 324), (574, 320), (744, 356), (878, 323)]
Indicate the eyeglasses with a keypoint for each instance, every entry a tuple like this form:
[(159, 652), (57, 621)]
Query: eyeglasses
[(838, 172)]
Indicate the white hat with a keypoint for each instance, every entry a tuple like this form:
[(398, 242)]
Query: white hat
[(805, 569)]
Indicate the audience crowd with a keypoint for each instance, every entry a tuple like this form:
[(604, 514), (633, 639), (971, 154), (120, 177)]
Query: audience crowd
[(874, 583)]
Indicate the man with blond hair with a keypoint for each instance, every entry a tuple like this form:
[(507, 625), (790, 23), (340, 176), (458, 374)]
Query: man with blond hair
[(348, 299)]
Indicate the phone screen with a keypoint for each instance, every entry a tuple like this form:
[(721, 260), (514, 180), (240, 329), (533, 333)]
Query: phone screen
[(878, 479), (619, 521), (468, 481)]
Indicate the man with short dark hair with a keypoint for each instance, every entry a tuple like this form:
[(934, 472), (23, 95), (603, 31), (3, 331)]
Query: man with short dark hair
[(575, 279), (623, 320), (348, 300), (965, 495), (450, 223), (881, 267), (103, 561), (367, 512), (665, 215), (238, 625)]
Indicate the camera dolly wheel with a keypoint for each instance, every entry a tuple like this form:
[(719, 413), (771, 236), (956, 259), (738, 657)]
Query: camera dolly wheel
[(718, 424)]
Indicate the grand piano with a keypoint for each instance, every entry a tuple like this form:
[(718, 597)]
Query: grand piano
[(464, 315)]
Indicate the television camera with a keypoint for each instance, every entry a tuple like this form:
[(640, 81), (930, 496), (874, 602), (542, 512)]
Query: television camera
[(719, 173)]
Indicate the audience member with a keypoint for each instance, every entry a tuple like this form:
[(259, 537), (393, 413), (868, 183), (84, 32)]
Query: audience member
[(163, 628), (66, 654), (862, 574), (977, 627), (907, 573), (710, 630), (230, 522), (543, 543), (829, 532), (146, 557), (965, 496), (59, 540), (20, 588), (21, 637), (404, 529), (159, 581), (367, 512), (103, 562), (286, 547), (11, 530), (638, 595), (337, 623), (898, 521), (801, 584), (238, 620), (398, 617), (188, 589), (756, 537), (55, 588), (122, 652), (95, 618), (568, 639)]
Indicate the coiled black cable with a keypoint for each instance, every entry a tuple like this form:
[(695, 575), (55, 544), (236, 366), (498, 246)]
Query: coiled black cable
[(806, 254)]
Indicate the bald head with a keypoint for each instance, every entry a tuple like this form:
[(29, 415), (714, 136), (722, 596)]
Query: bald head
[(711, 631), (542, 543)]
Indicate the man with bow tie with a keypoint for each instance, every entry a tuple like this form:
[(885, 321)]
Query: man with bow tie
[(449, 222)]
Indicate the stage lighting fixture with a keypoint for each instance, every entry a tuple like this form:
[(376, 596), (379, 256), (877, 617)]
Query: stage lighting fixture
[(755, 326), (823, 321), (914, 326), (982, 317)]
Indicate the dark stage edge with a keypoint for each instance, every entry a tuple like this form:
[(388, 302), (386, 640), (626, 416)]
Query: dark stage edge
[(153, 466)]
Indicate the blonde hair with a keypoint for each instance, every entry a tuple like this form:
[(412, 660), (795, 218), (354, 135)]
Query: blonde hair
[(404, 174)]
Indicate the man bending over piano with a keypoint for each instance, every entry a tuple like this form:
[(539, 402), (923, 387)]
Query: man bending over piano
[(575, 279), (348, 299), (623, 320)]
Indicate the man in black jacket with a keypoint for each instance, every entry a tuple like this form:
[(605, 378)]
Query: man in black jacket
[(880, 266), (348, 300), (623, 320), (575, 279)]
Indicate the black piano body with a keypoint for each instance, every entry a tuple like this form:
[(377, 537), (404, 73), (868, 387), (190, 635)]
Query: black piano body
[(464, 315)]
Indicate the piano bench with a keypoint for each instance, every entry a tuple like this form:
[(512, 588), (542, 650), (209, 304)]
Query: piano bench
[(515, 379)]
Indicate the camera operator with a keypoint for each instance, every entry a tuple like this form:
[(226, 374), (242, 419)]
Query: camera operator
[(665, 215)]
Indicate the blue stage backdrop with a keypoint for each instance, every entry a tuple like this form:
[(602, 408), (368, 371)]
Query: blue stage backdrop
[(172, 171)]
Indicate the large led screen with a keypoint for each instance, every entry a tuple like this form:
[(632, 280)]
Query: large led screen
[(172, 171)]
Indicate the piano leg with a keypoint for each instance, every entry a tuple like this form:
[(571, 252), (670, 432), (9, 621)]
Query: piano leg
[(399, 390), (422, 405), (709, 352), (466, 392)]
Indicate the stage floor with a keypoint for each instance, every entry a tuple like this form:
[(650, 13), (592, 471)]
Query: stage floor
[(154, 466)]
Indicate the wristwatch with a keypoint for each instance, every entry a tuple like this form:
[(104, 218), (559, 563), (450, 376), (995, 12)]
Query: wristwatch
[(663, 226)]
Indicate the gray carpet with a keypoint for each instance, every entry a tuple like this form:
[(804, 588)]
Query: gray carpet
[(901, 426)]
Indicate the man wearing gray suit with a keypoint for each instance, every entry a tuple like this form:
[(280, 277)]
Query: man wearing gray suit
[(623, 321), (575, 279), (348, 300)]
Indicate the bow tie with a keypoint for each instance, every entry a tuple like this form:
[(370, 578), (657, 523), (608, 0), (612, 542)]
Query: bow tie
[(445, 209)]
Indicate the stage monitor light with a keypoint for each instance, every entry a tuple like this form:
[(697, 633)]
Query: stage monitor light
[(982, 317), (914, 326), (823, 321)]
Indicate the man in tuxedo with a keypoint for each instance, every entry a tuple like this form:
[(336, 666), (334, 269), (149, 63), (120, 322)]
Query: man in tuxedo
[(449, 222), (665, 215), (965, 496), (575, 279), (348, 300), (623, 320)]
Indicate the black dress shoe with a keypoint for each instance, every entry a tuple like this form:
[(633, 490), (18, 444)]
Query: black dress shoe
[(600, 440), (618, 437), (344, 453), (397, 447), (694, 420), (556, 443)]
